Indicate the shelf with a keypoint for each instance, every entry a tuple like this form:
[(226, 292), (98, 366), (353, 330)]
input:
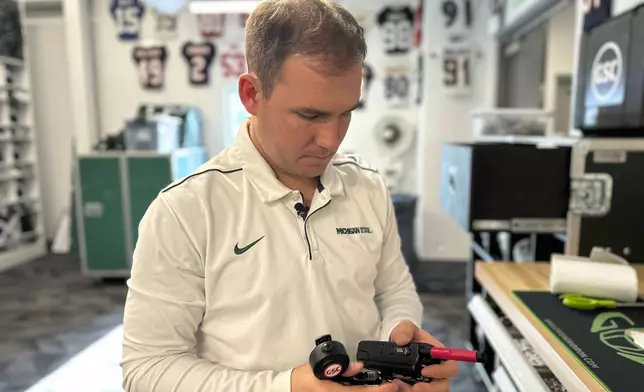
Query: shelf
[(19, 178), (541, 141), (30, 251), (520, 371)]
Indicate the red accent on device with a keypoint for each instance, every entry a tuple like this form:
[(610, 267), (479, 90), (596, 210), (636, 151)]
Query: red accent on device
[(454, 354)]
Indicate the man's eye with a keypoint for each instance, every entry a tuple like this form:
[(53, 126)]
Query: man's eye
[(309, 116)]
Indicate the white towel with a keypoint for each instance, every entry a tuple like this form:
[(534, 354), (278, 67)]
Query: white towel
[(604, 277)]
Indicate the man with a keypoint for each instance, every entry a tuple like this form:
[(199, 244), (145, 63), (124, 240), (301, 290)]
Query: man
[(278, 240)]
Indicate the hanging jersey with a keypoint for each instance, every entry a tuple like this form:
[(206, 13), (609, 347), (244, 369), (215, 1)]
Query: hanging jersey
[(396, 29), (165, 26), (199, 57), (150, 62), (211, 25), (127, 15), (233, 62), (397, 85), (367, 77), (456, 65)]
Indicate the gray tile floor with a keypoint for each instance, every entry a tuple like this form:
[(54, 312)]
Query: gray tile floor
[(49, 312)]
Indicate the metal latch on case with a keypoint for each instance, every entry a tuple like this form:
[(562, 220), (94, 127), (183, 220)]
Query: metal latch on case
[(591, 195)]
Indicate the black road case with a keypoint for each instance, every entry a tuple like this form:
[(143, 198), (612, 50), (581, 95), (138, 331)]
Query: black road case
[(506, 186), (607, 197), (610, 88)]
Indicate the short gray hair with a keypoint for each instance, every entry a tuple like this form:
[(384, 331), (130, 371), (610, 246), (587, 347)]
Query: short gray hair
[(322, 29)]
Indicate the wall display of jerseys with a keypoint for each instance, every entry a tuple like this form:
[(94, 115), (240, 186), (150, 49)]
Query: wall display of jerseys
[(458, 52), (399, 31), (10, 30), (200, 53)]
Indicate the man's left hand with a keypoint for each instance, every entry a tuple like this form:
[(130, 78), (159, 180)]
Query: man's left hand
[(407, 332)]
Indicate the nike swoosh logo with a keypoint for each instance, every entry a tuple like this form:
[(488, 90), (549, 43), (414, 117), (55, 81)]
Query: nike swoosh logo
[(239, 250)]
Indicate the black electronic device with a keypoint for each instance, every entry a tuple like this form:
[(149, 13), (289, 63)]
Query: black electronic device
[(329, 359), (514, 187), (383, 361), (610, 88)]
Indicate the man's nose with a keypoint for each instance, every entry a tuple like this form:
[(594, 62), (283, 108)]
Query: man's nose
[(328, 135)]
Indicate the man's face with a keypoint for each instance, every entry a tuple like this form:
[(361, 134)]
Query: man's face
[(302, 124)]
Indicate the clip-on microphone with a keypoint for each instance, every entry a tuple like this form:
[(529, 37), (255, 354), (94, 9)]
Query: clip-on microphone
[(301, 209)]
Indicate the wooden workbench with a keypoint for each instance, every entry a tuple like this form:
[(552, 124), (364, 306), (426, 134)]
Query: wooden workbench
[(499, 279)]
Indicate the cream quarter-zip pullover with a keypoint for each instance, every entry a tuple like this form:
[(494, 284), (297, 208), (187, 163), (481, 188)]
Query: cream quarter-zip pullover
[(230, 285)]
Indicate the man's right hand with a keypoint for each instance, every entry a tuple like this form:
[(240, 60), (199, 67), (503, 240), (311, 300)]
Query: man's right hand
[(303, 380)]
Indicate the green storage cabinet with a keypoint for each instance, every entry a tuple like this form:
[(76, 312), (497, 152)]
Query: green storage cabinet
[(113, 192), (146, 177)]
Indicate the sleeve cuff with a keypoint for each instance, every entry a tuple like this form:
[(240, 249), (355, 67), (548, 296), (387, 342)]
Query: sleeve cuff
[(282, 382)]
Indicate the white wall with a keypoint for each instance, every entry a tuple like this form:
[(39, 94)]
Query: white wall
[(45, 43), (118, 91), (445, 119)]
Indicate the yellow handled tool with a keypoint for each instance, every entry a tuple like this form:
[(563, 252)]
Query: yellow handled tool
[(585, 303)]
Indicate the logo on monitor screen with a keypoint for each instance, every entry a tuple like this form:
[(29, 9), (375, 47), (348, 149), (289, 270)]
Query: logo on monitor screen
[(607, 71)]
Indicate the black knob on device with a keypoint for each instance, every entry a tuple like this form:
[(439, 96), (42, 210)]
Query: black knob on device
[(329, 359)]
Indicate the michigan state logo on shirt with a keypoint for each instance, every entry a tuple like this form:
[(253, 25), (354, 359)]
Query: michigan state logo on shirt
[(150, 62), (396, 27), (397, 86), (199, 57), (127, 15)]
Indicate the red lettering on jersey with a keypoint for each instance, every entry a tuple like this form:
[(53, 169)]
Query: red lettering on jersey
[(233, 63)]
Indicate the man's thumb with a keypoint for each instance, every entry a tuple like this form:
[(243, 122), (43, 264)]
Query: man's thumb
[(403, 334)]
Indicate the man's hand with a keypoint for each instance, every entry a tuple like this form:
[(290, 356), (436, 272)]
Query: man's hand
[(407, 332), (303, 380)]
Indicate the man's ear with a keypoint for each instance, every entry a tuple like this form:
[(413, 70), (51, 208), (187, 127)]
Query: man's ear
[(250, 92)]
